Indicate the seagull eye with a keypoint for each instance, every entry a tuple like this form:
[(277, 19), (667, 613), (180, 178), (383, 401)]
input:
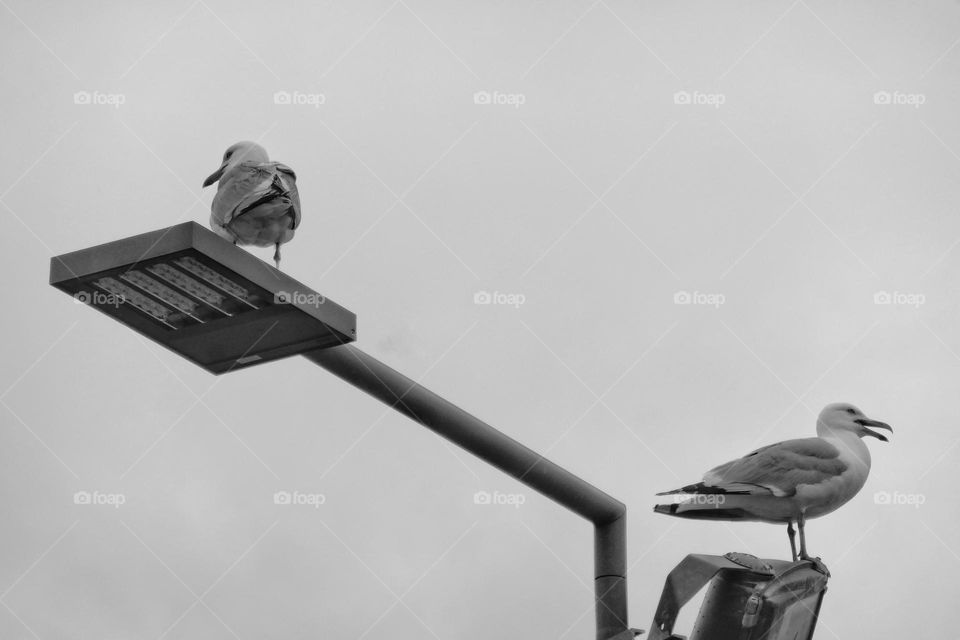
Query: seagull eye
[(852, 411)]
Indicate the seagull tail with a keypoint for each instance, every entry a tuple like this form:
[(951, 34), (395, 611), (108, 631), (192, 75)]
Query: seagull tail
[(700, 501), (699, 487), (728, 489), (694, 511)]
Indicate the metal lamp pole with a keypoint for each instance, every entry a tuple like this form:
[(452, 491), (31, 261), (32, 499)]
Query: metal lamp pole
[(608, 515)]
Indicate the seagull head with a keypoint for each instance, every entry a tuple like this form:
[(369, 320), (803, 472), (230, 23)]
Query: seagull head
[(244, 151), (843, 416)]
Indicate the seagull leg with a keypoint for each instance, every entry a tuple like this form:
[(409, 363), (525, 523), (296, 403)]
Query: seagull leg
[(803, 538), (276, 256), (817, 563), (793, 542)]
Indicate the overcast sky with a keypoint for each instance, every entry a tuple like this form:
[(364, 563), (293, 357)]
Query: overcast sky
[(590, 163)]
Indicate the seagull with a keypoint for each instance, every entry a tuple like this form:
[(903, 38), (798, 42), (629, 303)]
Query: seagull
[(257, 200), (788, 482)]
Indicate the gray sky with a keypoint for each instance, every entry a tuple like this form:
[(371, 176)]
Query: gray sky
[(787, 193)]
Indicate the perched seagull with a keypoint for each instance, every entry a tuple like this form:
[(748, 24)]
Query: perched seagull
[(787, 482), (257, 200)]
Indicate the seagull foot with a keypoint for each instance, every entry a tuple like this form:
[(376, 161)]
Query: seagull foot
[(817, 564)]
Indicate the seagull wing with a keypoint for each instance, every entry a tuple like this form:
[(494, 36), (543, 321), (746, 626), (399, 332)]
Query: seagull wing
[(257, 184), (777, 469), (257, 203), (236, 186), (288, 182)]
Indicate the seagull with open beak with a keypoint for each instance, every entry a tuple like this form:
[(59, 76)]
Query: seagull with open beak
[(787, 482), (257, 202)]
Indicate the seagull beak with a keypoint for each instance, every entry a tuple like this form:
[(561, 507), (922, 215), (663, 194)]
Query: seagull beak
[(213, 177), (867, 422)]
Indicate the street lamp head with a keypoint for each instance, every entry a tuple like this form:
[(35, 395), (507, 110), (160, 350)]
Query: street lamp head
[(200, 296)]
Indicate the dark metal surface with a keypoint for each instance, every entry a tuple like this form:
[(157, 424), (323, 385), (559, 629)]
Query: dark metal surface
[(607, 514), (747, 598), (278, 317)]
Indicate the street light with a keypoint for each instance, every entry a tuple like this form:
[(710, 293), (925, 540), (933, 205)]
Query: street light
[(202, 297), (224, 309), (747, 598)]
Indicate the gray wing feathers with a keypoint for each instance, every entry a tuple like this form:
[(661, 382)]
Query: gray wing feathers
[(780, 467)]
